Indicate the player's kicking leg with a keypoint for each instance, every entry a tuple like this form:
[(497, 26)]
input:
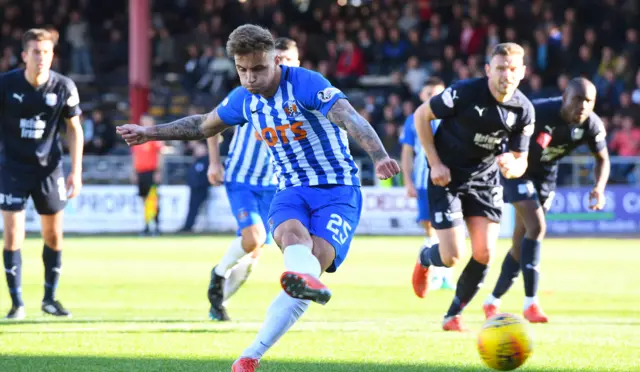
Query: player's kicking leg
[(304, 238), (14, 232), (52, 259), (524, 256)]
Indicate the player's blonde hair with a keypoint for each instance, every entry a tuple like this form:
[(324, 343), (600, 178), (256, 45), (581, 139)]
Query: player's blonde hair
[(507, 49), (39, 34)]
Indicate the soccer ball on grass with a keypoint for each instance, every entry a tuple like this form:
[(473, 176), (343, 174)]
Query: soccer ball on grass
[(504, 343)]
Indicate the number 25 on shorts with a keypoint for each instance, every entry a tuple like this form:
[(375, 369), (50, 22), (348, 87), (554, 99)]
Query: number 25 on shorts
[(339, 227)]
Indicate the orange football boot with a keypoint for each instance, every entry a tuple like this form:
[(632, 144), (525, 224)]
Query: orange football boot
[(245, 365), (489, 310), (534, 314), (453, 323), (305, 287), (420, 279)]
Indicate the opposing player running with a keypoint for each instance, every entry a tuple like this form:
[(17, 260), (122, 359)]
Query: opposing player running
[(477, 116), (305, 122), (36, 104), (562, 124), (249, 179)]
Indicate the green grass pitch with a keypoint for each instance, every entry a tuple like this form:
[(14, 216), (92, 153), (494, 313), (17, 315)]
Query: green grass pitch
[(139, 304)]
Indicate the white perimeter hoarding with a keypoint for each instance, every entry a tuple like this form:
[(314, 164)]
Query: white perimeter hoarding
[(113, 209)]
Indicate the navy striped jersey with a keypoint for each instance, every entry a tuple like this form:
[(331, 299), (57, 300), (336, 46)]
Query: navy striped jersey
[(307, 148)]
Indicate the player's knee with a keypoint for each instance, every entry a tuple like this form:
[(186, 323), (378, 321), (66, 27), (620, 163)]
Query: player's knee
[(536, 228), (52, 238), (515, 253), (292, 232), (253, 239), (450, 257), (11, 243), (482, 256)]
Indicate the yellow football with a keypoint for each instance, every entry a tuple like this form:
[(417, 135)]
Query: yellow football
[(504, 342)]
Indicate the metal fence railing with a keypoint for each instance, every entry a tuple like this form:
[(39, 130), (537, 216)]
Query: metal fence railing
[(117, 169)]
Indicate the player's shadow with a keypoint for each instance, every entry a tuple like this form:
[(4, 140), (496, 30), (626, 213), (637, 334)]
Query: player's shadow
[(95, 364)]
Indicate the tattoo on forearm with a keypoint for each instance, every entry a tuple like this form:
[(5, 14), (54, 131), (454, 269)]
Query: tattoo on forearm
[(346, 117), (187, 128)]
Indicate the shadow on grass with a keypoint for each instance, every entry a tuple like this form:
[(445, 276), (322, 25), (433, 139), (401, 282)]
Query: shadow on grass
[(106, 364)]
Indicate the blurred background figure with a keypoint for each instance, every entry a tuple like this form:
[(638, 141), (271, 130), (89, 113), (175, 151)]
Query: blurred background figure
[(198, 183), (147, 162)]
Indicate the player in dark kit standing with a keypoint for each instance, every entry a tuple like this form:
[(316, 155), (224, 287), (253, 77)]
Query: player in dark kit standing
[(35, 104), (477, 116), (563, 123)]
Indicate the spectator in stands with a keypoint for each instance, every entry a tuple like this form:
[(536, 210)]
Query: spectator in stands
[(165, 53), (99, 136), (147, 165), (78, 38), (626, 141)]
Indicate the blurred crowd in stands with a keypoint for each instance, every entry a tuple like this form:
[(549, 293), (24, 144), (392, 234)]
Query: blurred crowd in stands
[(380, 52)]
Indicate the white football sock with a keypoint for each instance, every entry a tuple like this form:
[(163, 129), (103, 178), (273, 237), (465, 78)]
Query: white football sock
[(282, 314), (234, 253), (238, 275), (528, 301), (298, 258), (491, 300)]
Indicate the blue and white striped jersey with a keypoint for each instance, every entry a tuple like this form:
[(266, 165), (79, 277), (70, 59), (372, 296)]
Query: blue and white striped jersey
[(308, 149), (420, 165), (249, 160)]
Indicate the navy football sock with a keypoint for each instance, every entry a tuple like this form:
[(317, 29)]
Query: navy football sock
[(52, 264), (468, 285), (529, 261), (13, 272), (430, 256), (508, 274)]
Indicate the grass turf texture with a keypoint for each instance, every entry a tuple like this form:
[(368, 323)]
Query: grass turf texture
[(139, 304)]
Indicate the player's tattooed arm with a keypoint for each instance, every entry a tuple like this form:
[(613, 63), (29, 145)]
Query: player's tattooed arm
[(347, 118), (194, 127)]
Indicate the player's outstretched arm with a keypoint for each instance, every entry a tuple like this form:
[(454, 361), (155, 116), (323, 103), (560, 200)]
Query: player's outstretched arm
[(194, 127), (346, 117), (602, 170)]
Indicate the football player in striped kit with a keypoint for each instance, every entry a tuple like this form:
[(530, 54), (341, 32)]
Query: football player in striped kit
[(306, 122), (416, 178), (250, 182)]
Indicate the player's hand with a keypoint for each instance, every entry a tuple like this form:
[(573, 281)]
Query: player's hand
[(411, 190), (74, 184), (157, 177), (440, 175), (215, 173), (506, 163), (133, 134), (597, 199), (386, 168)]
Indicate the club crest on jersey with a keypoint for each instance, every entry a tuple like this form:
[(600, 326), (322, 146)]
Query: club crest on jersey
[(327, 93), (511, 119), (577, 133), (50, 99), (291, 109)]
